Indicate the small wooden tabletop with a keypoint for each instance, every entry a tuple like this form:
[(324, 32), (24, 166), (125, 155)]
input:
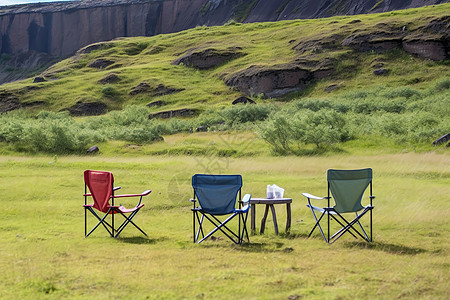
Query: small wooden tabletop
[(269, 202)]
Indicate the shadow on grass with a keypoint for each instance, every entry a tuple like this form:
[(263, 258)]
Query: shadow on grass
[(259, 247), (292, 236), (389, 248), (139, 240), (244, 247), (319, 151)]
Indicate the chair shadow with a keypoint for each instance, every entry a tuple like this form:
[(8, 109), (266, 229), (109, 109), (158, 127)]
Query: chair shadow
[(261, 247), (386, 247), (139, 240), (292, 236)]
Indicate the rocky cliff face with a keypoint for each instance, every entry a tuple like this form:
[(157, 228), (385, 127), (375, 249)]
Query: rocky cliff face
[(61, 28)]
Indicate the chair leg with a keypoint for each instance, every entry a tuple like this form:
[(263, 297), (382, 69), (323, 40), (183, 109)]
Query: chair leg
[(342, 225), (85, 221), (127, 221), (218, 227), (102, 221), (362, 229), (193, 225), (317, 224), (244, 227), (221, 226), (200, 227), (349, 226), (371, 240)]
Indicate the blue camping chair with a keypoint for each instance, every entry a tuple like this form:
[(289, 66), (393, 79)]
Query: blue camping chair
[(347, 188), (216, 196)]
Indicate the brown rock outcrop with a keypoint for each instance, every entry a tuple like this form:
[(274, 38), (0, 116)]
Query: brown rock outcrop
[(431, 41), (159, 90), (8, 102), (100, 63), (278, 80), (318, 45), (243, 100), (382, 37), (185, 112), (208, 58), (110, 78), (87, 109)]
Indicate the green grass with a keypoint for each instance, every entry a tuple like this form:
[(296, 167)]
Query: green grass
[(43, 254)]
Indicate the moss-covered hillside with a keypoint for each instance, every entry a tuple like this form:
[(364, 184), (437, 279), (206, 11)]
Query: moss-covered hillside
[(212, 66)]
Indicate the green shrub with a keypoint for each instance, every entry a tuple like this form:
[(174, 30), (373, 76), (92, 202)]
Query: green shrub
[(278, 133), (312, 104), (109, 91), (441, 85), (366, 107), (50, 115), (134, 134), (393, 125), (55, 133), (287, 134), (403, 92), (244, 113), (393, 106)]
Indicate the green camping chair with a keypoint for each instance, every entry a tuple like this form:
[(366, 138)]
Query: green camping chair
[(347, 188)]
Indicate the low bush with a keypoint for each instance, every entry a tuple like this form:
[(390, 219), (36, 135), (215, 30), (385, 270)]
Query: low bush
[(288, 134), (50, 132), (244, 113), (109, 91)]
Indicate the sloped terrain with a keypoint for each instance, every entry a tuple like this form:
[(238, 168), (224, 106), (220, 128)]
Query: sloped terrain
[(213, 66), (57, 30)]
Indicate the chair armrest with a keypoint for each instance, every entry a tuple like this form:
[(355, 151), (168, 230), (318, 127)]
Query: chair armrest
[(193, 200), (309, 196), (244, 204), (246, 198), (145, 193)]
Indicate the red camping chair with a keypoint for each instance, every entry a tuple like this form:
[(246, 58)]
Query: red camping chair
[(101, 189)]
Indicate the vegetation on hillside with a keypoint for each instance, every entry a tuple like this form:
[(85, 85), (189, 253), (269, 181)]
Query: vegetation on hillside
[(408, 105)]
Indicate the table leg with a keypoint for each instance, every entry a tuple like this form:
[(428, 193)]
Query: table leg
[(288, 218), (263, 220), (253, 217), (274, 216)]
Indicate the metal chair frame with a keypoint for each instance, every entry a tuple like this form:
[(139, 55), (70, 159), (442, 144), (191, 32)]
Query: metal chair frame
[(112, 210), (199, 216), (339, 218)]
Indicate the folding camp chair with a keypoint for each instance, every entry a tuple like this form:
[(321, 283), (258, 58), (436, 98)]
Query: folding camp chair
[(217, 196), (347, 188), (101, 189)]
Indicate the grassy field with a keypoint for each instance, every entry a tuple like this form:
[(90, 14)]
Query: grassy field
[(387, 123), (44, 255)]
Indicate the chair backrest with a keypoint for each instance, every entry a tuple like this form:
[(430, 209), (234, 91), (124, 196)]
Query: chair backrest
[(100, 185), (347, 188), (217, 194)]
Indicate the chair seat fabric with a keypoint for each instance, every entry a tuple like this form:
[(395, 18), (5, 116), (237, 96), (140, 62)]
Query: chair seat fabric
[(129, 210)]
